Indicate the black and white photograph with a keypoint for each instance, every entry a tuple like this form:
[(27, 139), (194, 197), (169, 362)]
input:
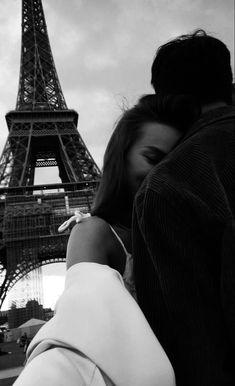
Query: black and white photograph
[(117, 193)]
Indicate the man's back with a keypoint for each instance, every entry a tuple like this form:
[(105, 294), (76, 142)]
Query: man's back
[(184, 252)]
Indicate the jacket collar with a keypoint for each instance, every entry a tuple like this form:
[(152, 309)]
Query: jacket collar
[(209, 117)]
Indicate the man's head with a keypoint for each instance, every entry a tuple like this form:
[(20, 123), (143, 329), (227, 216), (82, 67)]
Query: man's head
[(195, 64)]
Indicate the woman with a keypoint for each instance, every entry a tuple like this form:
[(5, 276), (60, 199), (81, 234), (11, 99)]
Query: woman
[(141, 139), (99, 336)]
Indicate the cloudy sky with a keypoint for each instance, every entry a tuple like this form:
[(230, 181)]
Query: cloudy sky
[(103, 50)]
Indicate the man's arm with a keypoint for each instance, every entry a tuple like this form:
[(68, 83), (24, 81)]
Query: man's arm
[(176, 289)]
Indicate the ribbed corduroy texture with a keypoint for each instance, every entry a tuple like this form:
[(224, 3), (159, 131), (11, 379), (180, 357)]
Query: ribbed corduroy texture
[(184, 252)]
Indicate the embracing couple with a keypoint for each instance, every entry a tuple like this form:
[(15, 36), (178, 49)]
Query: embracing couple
[(149, 296)]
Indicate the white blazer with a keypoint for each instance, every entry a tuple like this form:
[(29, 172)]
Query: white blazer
[(98, 336)]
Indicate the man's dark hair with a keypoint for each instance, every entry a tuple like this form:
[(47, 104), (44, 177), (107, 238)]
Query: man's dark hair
[(196, 64)]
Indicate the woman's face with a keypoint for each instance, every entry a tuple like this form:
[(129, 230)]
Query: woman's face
[(156, 140)]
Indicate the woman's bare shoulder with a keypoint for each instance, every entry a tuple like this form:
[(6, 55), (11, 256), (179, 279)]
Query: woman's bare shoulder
[(93, 225), (89, 241)]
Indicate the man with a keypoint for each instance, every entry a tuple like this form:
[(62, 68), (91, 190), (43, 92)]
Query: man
[(184, 219)]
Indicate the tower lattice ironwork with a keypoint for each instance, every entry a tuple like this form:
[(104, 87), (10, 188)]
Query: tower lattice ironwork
[(42, 133)]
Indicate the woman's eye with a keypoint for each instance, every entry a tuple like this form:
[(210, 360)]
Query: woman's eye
[(149, 159), (153, 159)]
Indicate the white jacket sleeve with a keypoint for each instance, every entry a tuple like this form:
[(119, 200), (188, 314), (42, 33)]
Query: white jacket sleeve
[(60, 366), (98, 320)]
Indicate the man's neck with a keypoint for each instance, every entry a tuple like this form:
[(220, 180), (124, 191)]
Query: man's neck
[(212, 106)]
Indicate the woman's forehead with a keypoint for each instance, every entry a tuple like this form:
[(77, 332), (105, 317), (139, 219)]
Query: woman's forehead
[(157, 134)]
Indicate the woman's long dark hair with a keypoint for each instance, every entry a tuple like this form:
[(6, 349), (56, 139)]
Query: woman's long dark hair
[(113, 201)]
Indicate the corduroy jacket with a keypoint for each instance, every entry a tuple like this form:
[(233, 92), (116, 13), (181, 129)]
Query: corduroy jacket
[(184, 252)]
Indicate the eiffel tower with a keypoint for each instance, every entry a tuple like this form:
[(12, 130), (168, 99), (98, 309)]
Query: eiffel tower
[(42, 133)]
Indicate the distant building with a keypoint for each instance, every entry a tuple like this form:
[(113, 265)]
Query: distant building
[(234, 94), (3, 317), (29, 287), (18, 316), (48, 314)]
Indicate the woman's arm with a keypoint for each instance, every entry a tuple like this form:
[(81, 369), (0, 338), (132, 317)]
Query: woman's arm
[(92, 240), (97, 328)]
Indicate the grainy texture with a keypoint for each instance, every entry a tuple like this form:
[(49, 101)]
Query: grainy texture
[(184, 252)]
